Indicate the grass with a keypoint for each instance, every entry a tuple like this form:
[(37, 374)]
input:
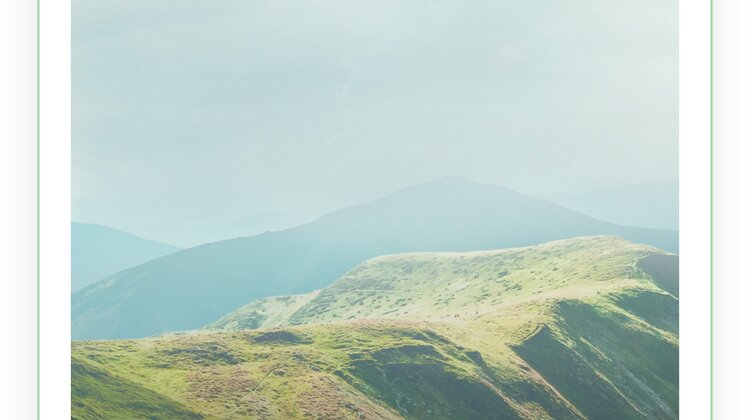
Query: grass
[(262, 313)]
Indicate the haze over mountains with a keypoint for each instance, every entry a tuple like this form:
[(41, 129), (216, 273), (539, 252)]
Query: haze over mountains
[(273, 141), (192, 235), (193, 287), (653, 205), (98, 251)]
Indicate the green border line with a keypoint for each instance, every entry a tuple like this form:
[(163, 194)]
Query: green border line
[(711, 206), (38, 245)]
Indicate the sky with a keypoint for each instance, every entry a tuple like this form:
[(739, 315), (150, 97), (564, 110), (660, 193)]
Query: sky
[(265, 113)]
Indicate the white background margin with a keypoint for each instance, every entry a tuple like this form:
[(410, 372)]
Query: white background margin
[(55, 203)]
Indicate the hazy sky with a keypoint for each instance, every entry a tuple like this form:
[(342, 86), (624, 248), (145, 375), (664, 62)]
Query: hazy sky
[(200, 112)]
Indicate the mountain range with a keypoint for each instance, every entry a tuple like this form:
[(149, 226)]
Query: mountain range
[(190, 288)]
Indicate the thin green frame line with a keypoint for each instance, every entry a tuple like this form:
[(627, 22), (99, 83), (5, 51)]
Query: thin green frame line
[(711, 207), (38, 243)]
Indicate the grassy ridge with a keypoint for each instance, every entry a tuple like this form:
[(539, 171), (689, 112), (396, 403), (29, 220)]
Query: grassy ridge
[(569, 329)]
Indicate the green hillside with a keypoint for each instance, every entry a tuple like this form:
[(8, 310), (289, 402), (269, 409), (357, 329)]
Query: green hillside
[(263, 313), (99, 251), (188, 289), (99, 394), (569, 329)]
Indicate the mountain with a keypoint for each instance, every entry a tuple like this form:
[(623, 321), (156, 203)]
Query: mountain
[(98, 251), (572, 329), (653, 205), (191, 235), (190, 288)]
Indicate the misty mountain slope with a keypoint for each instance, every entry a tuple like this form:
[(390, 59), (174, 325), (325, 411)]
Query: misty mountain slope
[(571, 329), (653, 205), (193, 287), (98, 251)]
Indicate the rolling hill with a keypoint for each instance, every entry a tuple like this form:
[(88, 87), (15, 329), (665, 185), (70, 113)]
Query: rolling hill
[(441, 286), (571, 329), (193, 287), (98, 251)]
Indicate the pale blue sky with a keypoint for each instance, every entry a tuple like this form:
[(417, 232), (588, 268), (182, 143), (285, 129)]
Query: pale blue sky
[(207, 112)]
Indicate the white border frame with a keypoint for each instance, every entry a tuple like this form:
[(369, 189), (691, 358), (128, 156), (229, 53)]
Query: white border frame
[(55, 215), (18, 384), (731, 206), (695, 209), (54, 208)]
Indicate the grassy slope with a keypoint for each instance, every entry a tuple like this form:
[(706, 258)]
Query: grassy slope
[(100, 394), (521, 333), (263, 313)]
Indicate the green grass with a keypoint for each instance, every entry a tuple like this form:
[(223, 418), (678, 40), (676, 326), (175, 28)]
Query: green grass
[(99, 394), (569, 329), (262, 313)]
